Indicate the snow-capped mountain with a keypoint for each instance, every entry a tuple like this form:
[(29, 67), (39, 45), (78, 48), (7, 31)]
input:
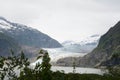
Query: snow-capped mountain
[(83, 46), (27, 35), (6, 25)]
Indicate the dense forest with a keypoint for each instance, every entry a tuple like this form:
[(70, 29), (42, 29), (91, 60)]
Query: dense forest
[(42, 71)]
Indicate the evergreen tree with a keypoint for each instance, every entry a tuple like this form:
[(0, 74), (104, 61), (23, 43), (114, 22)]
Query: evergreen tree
[(45, 65)]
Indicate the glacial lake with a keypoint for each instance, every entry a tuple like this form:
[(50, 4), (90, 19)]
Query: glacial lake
[(80, 70)]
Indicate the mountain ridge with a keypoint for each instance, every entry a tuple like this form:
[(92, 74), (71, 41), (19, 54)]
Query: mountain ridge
[(26, 35), (107, 45)]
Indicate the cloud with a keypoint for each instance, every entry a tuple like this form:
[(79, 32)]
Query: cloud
[(63, 19)]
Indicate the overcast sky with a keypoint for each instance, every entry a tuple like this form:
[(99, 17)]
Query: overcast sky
[(63, 19)]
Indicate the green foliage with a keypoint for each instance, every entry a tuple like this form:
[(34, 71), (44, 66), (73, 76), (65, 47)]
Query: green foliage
[(45, 65), (116, 53), (8, 65), (114, 71), (42, 71)]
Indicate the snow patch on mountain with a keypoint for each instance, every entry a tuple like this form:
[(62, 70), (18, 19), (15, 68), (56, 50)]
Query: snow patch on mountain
[(84, 41), (85, 45), (5, 25), (9, 26)]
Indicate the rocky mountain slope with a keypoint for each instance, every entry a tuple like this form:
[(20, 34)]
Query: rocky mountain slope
[(6, 44), (108, 44), (113, 60)]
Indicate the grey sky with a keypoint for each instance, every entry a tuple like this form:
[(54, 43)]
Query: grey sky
[(63, 19)]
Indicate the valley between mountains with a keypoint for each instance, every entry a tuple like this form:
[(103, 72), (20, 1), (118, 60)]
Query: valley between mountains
[(93, 51)]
